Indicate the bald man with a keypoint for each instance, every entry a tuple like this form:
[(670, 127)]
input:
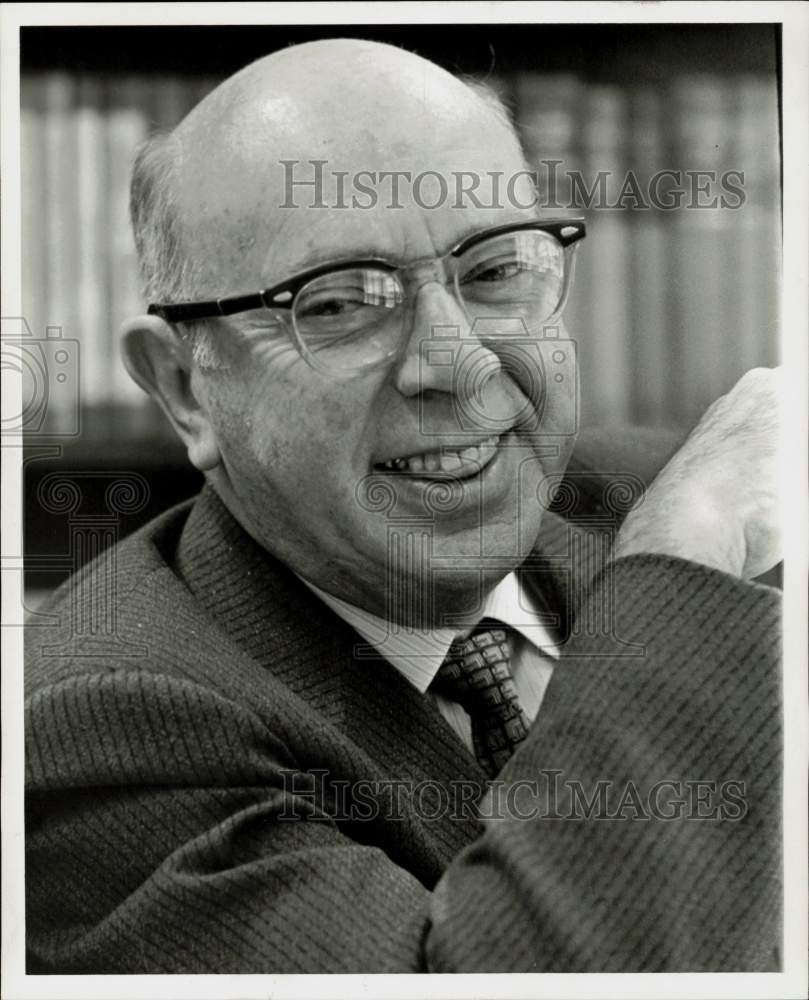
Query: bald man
[(284, 762)]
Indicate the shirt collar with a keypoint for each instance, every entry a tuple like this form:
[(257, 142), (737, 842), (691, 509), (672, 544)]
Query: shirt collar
[(418, 653)]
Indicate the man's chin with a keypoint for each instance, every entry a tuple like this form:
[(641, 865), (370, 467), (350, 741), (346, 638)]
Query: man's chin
[(465, 566)]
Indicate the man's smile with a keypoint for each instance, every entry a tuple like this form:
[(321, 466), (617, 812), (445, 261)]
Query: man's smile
[(445, 462)]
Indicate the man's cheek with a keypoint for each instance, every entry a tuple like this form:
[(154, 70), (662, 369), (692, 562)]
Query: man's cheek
[(558, 407)]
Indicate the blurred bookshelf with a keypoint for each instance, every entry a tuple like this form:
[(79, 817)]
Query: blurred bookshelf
[(669, 307)]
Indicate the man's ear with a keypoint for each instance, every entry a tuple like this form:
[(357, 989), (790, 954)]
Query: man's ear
[(161, 363)]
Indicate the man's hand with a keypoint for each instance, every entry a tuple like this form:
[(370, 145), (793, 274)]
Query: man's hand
[(716, 501)]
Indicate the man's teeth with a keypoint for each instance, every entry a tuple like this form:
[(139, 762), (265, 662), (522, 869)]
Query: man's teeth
[(476, 455)]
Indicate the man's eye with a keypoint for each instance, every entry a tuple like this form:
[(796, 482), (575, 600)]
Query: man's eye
[(328, 308), (494, 272)]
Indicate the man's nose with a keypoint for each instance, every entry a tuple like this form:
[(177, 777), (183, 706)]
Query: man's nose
[(441, 347)]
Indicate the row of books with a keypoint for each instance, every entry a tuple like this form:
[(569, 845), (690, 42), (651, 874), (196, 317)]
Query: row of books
[(676, 292), (671, 304)]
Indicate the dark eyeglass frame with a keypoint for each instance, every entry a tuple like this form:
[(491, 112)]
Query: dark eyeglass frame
[(282, 296)]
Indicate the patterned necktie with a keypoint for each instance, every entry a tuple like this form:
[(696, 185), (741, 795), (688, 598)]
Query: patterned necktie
[(476, 674)]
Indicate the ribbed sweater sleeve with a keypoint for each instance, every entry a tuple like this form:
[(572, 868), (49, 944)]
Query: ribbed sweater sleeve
[(641, 885), (160, 837), (178, 856)]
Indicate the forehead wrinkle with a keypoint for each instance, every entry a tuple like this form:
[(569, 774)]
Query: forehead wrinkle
[(279, 266)]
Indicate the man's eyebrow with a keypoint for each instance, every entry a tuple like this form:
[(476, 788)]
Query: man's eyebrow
[(320, 257), (478, 231)]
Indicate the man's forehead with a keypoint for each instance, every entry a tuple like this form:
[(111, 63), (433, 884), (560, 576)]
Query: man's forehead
[(269, 163), (400, 218)]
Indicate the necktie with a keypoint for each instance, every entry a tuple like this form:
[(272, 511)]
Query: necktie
[(477, 675)]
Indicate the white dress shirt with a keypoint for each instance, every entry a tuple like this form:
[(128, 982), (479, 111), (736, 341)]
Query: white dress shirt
[(417, 654)]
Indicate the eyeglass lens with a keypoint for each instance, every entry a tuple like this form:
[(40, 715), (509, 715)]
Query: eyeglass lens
[(353, 318)]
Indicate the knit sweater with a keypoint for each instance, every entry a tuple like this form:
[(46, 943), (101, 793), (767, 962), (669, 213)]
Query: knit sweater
[(220, 780)]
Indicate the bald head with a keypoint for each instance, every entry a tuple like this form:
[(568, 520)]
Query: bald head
[(333, 97), (204, 197)]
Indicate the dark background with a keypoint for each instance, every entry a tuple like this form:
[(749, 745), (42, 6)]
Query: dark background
[(611, 52)]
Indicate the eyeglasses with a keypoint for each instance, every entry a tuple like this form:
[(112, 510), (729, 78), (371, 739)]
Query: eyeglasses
[(349, 316)]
